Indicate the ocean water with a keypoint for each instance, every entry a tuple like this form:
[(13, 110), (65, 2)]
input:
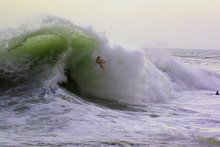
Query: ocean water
[(53, 94)]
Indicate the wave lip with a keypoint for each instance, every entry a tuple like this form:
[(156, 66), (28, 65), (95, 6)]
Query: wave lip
[(58, 51)]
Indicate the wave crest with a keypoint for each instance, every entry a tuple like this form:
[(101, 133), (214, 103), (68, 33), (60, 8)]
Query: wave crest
[(64, 53)]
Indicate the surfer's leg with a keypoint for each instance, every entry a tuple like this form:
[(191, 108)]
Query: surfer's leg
[(101, 65)]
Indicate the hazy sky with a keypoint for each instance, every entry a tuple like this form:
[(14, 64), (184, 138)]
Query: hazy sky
[(146, 23)]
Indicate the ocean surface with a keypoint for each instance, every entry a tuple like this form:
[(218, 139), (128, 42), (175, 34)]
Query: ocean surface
[(52, 93)]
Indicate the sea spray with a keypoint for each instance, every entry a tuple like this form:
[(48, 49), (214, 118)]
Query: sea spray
[(61, 52), (128, 76), (183, 76)]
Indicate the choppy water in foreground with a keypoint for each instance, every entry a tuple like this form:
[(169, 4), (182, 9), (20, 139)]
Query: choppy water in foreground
[(61, 98)]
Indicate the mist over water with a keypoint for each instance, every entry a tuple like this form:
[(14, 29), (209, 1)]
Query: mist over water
[(50, 86), (129, 76), (183, 76)]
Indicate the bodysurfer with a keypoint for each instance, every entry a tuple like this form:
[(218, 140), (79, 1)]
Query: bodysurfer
[(100, 62)]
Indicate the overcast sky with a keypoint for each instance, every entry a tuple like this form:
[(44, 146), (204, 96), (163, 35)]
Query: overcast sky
[(146, 23)]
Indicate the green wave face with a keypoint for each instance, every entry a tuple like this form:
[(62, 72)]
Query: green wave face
[(51, 42), (81, 69), (47, 46), (40, 46)]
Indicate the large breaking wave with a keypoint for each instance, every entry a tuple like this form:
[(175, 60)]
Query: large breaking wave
[(57, 51)]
